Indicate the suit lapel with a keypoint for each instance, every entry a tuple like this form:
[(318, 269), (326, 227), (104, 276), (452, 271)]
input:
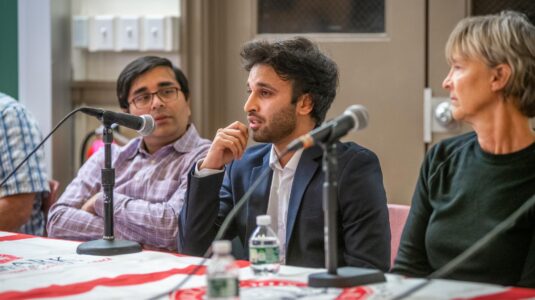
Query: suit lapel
[(260, 197), (307, 167)]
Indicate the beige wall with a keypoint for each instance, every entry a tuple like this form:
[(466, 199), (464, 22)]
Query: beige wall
[(443, 16), (387, 77)]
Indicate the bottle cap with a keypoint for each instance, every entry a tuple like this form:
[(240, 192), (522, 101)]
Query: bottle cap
[(221, 247), (263, 220)]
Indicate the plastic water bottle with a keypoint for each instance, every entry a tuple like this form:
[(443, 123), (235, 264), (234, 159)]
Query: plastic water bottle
[(264, 248), (222, 273)]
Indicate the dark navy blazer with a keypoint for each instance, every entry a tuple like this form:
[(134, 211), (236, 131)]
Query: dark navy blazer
[(363, 226)]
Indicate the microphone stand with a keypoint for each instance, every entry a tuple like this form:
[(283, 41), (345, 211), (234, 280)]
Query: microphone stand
[(344, 276), (108, 245)]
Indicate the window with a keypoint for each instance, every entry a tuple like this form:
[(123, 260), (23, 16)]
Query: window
[(321, 16), (485, 7)]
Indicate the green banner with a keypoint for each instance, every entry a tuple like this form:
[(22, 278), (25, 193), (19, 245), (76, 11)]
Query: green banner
[(9, 72)]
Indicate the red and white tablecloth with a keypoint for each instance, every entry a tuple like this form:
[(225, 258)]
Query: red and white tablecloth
[(35, 267)]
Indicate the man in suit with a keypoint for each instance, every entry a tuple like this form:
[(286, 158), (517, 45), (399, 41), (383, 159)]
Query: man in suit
[(291, 86)]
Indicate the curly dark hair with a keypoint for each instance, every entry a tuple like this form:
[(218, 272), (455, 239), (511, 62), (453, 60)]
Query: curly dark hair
[(138, 67), (300, 61)]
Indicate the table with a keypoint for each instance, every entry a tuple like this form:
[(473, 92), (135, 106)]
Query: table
[(37, 267)]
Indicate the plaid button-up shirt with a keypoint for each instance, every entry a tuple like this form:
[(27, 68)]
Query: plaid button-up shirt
[(19, 135), (148, 195)]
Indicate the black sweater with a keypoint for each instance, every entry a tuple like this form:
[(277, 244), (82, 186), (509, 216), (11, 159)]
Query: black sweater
[(462, 194)]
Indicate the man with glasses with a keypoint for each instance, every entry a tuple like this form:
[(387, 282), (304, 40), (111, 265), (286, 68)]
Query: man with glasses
[(151, 171)]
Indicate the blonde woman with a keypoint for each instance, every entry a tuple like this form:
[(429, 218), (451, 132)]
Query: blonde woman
[(470, 183)]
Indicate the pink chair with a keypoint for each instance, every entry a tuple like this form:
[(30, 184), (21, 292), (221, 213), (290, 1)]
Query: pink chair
[(398, 216)]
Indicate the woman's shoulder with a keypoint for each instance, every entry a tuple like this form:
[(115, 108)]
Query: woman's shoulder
[(450, 150), (454, 144)]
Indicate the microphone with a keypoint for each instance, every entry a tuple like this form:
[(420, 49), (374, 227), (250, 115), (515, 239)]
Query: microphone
[(143, 124), (355, 116)]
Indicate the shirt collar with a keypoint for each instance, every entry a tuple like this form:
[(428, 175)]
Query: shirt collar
[(292, 163)]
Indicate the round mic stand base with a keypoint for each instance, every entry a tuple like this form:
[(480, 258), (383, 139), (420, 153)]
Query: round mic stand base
[(108, 247), (346, 277)]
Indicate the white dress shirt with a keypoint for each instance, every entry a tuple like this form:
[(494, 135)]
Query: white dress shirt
[(279, 195)]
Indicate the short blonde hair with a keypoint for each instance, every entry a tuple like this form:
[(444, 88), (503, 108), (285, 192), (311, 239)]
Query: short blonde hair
[(505, 38)]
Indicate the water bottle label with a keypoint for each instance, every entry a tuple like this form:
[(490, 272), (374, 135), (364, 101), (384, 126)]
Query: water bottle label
[(223, 287), (264, 255)]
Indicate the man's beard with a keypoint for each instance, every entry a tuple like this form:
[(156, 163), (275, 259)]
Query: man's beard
[(281, 125)]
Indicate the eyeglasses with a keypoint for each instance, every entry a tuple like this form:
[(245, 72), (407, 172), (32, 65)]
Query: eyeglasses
[(166, 95)]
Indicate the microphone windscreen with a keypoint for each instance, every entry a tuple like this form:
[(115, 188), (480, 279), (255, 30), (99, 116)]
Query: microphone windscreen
[(360, 115), (148, 125)]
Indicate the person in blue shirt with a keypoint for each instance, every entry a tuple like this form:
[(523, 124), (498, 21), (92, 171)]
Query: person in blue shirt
[(21, 196)]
